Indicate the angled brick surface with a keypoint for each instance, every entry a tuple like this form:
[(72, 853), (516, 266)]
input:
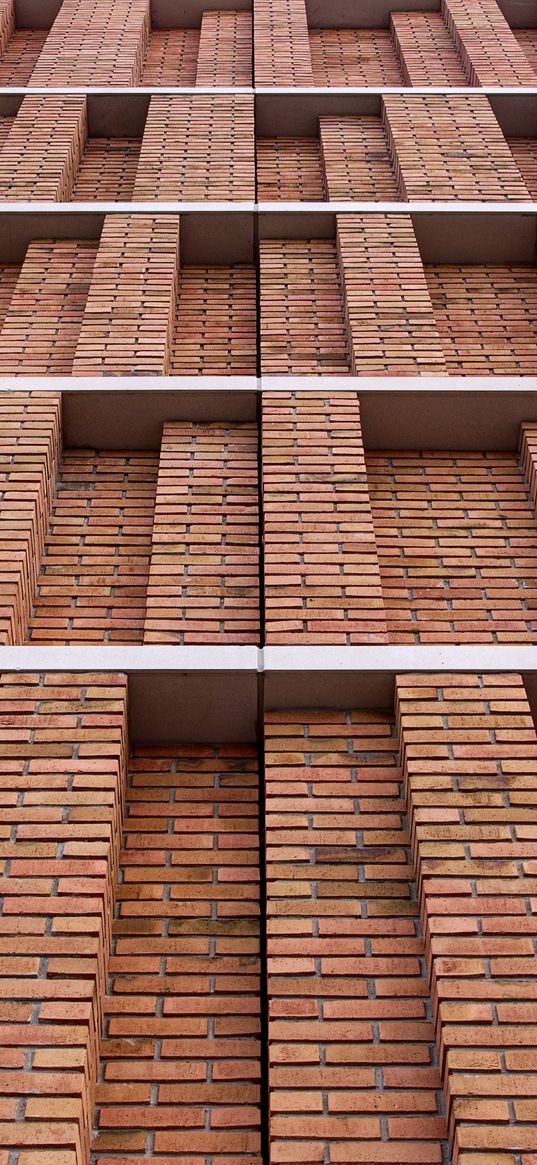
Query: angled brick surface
[(353, 1074), (204, 574), (354, 56), (528, 458), (426, 52), (488, 48), (41, 156), (95, 42), (505, 296), (225, 49), (281, 43), (322, 582), (450, 146), (129, 312), (469, 753), (391, 325), (524, 151), (197, 147), (30, 441), (63, 776)]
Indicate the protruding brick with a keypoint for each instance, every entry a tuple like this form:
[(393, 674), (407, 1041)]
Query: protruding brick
[(225, 49), (94, 42), (488, 48), (281, 43), (42, 154)]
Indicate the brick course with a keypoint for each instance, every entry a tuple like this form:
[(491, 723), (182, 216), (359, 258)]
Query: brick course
[(354, 56), (302, 321), (171, 57), (289, 169), (93, 42), (42, 153), (62, 777), (485, 315), (425, 50), (225, 49), (215, 330), (488, 48), (356, 159), (281, 44)]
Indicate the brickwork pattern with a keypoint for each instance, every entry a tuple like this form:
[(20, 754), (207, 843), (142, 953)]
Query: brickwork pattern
[(356, 159), (390, 320), (486, 315), (171, 57), (180, 1056), (130, 308), (302, 321), (457, 547), (524, 151), (107, 170), (204, 576), (30, 445), (215, 330), (450, 147), (93, 577), (198, 147), (527, 39), (281, 43), (46, 309), (488, 48), (93, 42), (225, 49), (353, 1073), (21, 55), (469, 751), (289, 169), (42, 153), (528, 459), (322, 582), (353, 56), (62, 776), (425, 50)]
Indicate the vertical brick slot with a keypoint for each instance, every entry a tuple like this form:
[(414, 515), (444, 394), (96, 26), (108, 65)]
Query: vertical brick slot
[(528, 458), (94, 42), (469, 751), (487, 46), (322, 582), (30, 442), (390, 320), (63, 776), (215, 331), (180, 1056), (353, 1073), (204, 576), (196, 148), (42, 153), (225, 49), (281, 43), (128, 320)]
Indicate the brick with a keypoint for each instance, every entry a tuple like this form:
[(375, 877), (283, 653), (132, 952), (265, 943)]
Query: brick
[(203, 579), (356, 159), (426, 51), (225, 50), (289, 169), (108, 170), (215, 328), (322, 582), (95, 43), (42, 153), (19, 48), (302, 321), (487, 46), (353, 56), (506, 296), (281, 44), (171, 57)]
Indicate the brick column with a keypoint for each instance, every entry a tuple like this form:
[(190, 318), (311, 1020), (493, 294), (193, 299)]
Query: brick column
[(281, 43), (128, 321), (42, 153), (352, 1073), (488, 48), (390, 320), (7, 23), (450, 147), (322, 581), (197, 147), (425, 50), (528, 457), (63, 774), (469, 752), (95, 42), (30, 442), (204, 574), (43, 320), (225, 49)]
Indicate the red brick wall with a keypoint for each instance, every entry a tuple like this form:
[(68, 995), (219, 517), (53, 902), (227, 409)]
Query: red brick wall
[(215, 331), (225, 50), (289, 168), (30, 440), (426, 52), (180, 1054), (353, 1071), (322, 582), (469, 752), (524, 151), (487, 46), (391, 326), (198, 147), (450, 147), (129, 313), (93, 42), (354, 56), (107, 170), (204, 575), (42, 153), (302, 321), (506, 296), (457, 547), (93, 577), (281, 45), (63, 775), (171, 57)]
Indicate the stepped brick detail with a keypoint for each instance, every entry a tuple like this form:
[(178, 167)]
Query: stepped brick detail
[(44, 317), (281, 43), (469, 752), (524, 151), (225, 49), (302, 321), (30, 444), (289, 169), (450, 146), (390, 320), (171, 57), (425, 50), (42, 153), (93, 576), (93, 42), (489, 50), (129, 313), (197, 147), (528, 459), (322, 582), (204, 576), (353, 1073), (457, 547), (63, 775), (356, 159), (180, 1055), (107, 170)]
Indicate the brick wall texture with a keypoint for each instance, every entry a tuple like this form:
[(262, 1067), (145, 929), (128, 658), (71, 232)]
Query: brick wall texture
[(313, 942)]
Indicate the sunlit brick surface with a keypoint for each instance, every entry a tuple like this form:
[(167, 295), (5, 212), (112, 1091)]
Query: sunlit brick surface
[(21, 55), (94, 42), (289, 169), (426, 51), (107, 170), (180, 1053), (225, 49)]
